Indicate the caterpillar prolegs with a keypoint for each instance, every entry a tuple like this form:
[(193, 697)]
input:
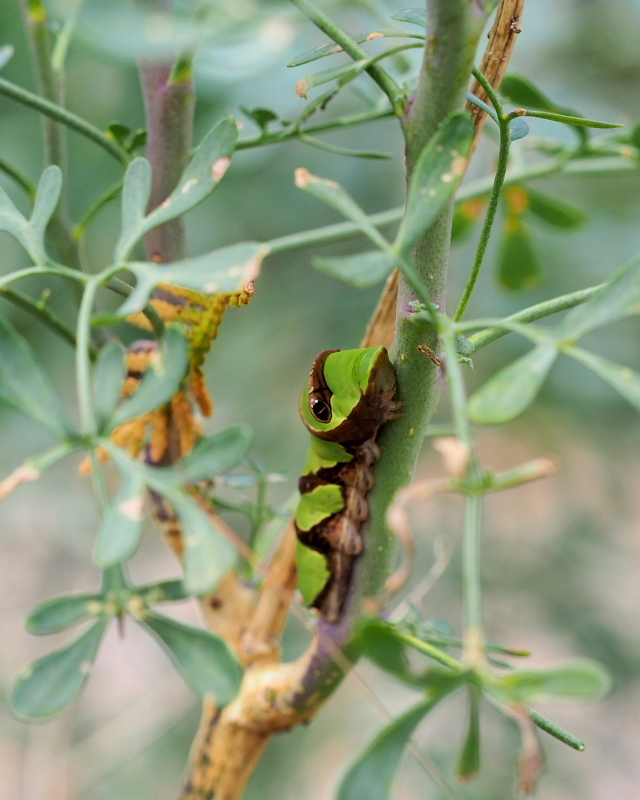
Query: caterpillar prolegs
[(349, 398)]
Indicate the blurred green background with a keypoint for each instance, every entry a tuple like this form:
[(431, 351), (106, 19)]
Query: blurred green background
[(561, 557)]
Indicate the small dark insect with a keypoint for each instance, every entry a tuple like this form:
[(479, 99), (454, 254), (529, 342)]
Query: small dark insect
[(428, 352)]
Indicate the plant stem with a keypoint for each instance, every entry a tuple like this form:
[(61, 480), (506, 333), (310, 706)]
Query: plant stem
[(67, 118), (471, 571), (87, 218), (88, 424), (350, 46), (442, 86), (498, 182), (25, 183)]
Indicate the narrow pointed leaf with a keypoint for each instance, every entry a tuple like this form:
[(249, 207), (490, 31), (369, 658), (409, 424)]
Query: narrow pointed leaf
[(580, 122), (617, 300), (214, 455), (347, 71), (161, 381), (519, 265), (380, 643), (25, 387), (121, 527), (109, 376), (208, 554), (229, 269), (623, 379), (331, 48), (579, 680), (371, 777), (63, 612), (203, 659), (416, 16), (469, 763), (364, 269), (553, 211), (509, 393), (49, 685), (435, 177)]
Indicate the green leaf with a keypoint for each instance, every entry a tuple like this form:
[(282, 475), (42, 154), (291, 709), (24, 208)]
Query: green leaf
[(6, 52), (25, 387), (203, 659), (518, 129), (579, 122), (261, 116), (512, 390), (416, 16), (49, 685), (364, 269), (634, 136), (347, 71), (371, 776), (553, 211), (110, 373), (31, 233), (121, 528), (216, 454), (579, 680), (161, 381), (331, 48), (436, 175), (623, 379), (521, 92), (162, 592), (200, 178), (119, 132), (617, 300), (469, 763), (331, 193), (380, 643), (208, 554), (63, 612), (136, 191), (518, 263), (226, 270)]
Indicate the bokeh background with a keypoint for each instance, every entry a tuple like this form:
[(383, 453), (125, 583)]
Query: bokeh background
[(562, 556)]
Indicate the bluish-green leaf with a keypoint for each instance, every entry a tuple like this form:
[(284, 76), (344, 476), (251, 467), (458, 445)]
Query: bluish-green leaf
[(416, 16), (364, 269), (25, 387), (50, 684), (63, 612), (261, 116), (208, 554), (617, 300), (162, 379), (110, 373), (162, 592), (203, 659), (512, 390), (579, 680), (519, 266), (347, 71), (435, 177), (567, 119), (202, 175), (226, 270), (623, 379), (136, 191), (47, 196), (331, 48), (553, 211), (371, 777), (216, 454), (518, 129), (121, 528)]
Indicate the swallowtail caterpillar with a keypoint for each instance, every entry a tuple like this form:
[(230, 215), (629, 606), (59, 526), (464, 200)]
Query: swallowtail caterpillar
[(349, 397)]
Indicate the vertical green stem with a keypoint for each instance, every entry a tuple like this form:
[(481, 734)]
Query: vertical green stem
[(83, 357), (471, 571)]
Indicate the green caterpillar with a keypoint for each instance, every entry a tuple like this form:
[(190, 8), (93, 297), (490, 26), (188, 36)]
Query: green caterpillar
[(350, 396)]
